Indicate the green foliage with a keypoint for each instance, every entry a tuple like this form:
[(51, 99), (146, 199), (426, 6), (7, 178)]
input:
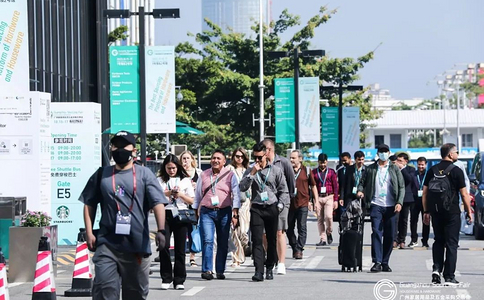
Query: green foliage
[(473, 89), (35, 219), (402, 106), (220, 81), (118, 34)]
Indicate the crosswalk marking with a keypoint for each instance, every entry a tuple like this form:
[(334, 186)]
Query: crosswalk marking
[(314, 262), (298, 264), (193, 291)]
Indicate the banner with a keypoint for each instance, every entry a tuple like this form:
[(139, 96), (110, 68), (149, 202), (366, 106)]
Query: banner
[(309, 122), (330, 130), (351, 129), (160, 89), (124, 87), (284, 103), (14, 47), (75, 156)]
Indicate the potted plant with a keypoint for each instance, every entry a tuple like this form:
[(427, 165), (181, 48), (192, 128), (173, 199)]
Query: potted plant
[(24, 244)]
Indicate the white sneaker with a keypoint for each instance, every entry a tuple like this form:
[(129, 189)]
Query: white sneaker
[(179, 287), (165, 286), (281, 269)]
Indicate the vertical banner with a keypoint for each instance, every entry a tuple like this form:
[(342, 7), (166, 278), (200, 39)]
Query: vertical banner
[(284, 102), (14, 47), (351, 129), (309, 120), (75, 156), (330, 129), (124, 87), (160, 89)]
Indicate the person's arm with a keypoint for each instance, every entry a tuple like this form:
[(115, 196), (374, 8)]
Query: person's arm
[(467, 202), (198, 193), (400, 190), (426, 213), (289, 173), (282, 191), (334, 183), (235, 192), (362, 184), (159, 212), (89, 216)]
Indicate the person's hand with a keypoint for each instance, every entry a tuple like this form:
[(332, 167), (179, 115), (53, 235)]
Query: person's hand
[(341, 202), (235, 221), (398, 208), (335, 205), (426, 218), (469, 218), (310, 206), (256, 168), (360, 195), (160, 241), (91, 241)]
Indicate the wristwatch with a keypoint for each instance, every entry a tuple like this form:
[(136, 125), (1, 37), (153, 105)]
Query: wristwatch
[(162, 231)]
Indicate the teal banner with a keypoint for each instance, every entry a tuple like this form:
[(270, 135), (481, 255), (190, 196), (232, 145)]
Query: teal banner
[(330, 130), (124, 88), (284, 97)]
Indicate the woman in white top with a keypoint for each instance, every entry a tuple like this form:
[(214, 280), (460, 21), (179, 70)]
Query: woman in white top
[(178, 188), (190, 165), (240, 237)]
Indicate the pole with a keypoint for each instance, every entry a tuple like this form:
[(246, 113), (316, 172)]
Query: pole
[(340, 117), (102, 78), (296, 96), (458, 125), (261, 75), (142, 83), (167, 144)]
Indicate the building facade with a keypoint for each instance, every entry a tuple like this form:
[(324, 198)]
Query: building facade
[(238, 15)]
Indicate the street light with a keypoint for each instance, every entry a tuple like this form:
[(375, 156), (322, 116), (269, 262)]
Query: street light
[(340, 89), (157, 14), (296, 54)]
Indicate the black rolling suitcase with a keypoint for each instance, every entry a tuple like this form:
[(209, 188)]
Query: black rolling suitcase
[(350, 249)]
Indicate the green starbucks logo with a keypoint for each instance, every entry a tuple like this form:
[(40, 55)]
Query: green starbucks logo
[(62, 212)]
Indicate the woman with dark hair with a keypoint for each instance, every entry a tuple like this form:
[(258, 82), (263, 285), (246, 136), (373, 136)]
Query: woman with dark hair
[(240, 237), (190, 165), (178, 188)]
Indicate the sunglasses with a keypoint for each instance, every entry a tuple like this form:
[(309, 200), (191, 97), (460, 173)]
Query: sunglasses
[(257, 157), (239, 156), (455, 152)]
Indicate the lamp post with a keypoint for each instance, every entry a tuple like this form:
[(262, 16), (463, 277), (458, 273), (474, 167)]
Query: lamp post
[(296, 55), (340, 90), (157, 14)]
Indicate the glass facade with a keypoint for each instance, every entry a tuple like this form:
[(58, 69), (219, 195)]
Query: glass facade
[(238, 15)]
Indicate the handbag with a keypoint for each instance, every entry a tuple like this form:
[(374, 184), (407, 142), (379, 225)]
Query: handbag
[(186, 216), (196, 240)]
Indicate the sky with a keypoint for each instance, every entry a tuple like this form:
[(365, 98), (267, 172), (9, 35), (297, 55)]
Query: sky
[(419, 39)]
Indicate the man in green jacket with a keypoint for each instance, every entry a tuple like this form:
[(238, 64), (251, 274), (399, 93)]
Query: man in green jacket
[(383, 189)]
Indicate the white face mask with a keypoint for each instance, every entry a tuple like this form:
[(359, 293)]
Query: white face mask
[(384, 156)]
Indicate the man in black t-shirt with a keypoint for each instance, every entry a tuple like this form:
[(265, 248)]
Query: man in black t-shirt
[(445, 220)]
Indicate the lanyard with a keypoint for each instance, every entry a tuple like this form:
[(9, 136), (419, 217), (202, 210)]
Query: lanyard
[(319, 175), (297, 175), (134, 189), (213, 184), (420, 183), (176, 183), (357, 175), (263, 185), (380, 180)]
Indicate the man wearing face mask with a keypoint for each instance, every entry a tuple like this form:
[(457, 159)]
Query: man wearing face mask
[(383, 189), (126, 193)]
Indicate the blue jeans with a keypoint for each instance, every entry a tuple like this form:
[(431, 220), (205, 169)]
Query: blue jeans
[(383, 225), (211, 221)]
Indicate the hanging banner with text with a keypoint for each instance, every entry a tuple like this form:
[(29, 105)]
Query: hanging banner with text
[(351, 129), (75, 156), (160, 89), (124, 87), (309, 119), (330, 129), (14, 47), (284, 103)]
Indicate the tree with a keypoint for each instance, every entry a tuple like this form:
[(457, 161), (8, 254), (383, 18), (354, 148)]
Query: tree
[(219, 80), (118, 34), (474, 89)]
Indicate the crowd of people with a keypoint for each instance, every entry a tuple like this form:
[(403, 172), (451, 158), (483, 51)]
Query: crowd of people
[(253, 207)]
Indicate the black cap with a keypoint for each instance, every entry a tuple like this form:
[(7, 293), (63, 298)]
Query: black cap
[(124, 137), (383, 148)]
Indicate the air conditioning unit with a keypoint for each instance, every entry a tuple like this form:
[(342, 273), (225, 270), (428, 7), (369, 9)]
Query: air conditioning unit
[(178, 149)]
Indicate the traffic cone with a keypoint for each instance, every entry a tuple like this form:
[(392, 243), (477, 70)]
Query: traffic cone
[(3, 283), (82, 276), (44, 285)]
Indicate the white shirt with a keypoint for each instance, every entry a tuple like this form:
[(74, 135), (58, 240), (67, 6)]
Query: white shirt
[(184, 185), (383, 187)]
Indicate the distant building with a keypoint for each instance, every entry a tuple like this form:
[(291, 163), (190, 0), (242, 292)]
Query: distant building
[(381, 99), (239, 15)]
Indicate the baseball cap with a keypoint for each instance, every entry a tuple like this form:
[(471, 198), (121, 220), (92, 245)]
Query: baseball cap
[(383, 148), (124, 137)]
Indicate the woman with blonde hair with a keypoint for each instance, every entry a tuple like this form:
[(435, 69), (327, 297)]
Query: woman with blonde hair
[(240, 235), (190, 165)]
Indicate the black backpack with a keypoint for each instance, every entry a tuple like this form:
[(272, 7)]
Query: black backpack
[(441, 193)]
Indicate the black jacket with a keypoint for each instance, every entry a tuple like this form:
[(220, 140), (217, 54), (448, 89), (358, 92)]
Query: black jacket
[(350, 182), (408, 174)]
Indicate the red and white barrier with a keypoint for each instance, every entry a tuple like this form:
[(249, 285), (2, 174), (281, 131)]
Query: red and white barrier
[(44, 285), (82, 275), (3, 283)]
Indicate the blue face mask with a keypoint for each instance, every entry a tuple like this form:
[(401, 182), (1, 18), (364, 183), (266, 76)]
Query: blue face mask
[(384, 156)]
